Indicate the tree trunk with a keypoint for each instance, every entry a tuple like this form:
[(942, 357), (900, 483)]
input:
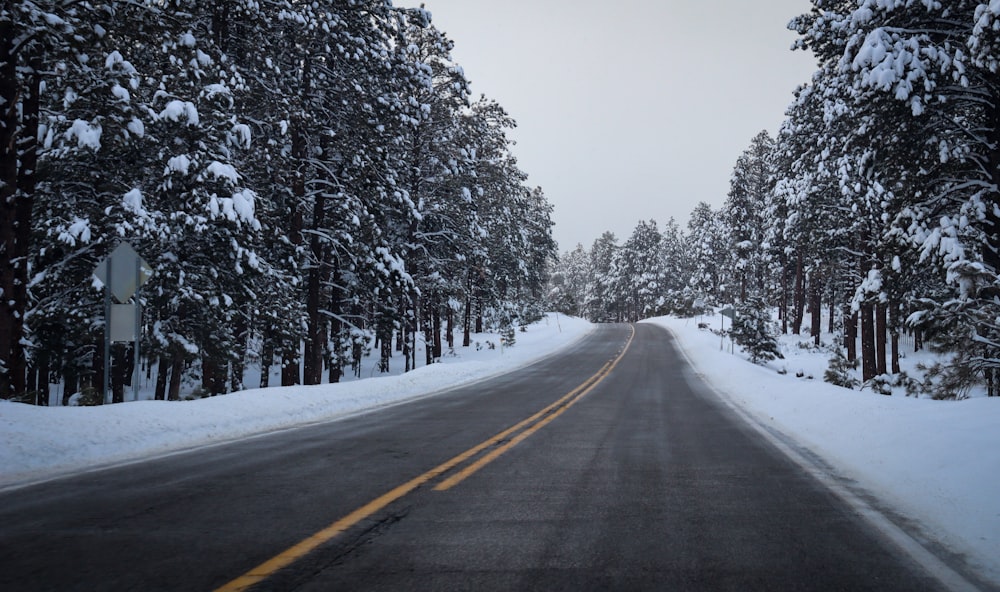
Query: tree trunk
[(881, 338), (176, 372), (831, 324), (436, 318), (120, 370), (318, 274), (28, 155), (406, 348), (209, 370), (163, 369), (386, 355), (783, 306), (44, 387), (336, 355), (242, 331), (450, 328), (479, 315), (991, 250), (894, 332), (31, 381), (71, 383), (868, 366), (850, 333), (9, 129), (97, 371), (815, 307), (290, 366), (800, 296), (266, 358), (428, 335), (467, 320)]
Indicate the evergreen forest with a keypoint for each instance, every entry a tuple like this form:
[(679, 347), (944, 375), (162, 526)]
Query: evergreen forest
[(875, 206), (310, 182)]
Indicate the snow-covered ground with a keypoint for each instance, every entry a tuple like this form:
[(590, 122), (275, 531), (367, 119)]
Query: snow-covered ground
[(40, 442), (935, 462)]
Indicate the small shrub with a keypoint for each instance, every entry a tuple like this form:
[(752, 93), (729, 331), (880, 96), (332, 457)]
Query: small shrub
[(841, 372), (87, 397)]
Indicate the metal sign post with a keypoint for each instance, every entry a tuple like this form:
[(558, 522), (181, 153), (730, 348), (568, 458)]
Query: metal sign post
[(107, 336), (138, 328), (122, 273)]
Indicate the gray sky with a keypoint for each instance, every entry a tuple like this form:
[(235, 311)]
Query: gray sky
[(633, 109)]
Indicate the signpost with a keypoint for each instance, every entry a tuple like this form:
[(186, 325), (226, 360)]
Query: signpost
[(122, 273), (730, 312)]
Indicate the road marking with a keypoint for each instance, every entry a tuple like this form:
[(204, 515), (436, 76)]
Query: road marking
[(933, 565), (583, 389), (529, 425)]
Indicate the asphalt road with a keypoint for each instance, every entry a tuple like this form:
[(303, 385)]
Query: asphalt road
[(622, 472)]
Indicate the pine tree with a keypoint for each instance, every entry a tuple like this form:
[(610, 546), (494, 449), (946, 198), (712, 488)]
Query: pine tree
[(603, 304), (754, 331), (709, 256), (750, 186)]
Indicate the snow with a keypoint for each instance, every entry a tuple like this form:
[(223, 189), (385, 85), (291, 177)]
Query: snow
[(132, 201), (180, 163), (78, 230), (176, 110), (935, 462), (137, 127), (223, 171), (242, 131), (87, 135), (121, 94), (37, 443)]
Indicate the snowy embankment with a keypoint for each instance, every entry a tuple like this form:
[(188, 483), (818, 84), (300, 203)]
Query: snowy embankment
[(41, 442), (937, 462)]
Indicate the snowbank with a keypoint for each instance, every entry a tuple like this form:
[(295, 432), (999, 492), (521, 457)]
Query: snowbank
[(934, 461), (41, 442)]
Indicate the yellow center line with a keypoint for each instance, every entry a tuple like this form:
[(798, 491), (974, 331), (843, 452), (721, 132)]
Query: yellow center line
[(301, 549), (495, 453)]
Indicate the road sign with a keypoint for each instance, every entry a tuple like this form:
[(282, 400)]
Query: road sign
[(128, 271), (122, 273), (123, 323)]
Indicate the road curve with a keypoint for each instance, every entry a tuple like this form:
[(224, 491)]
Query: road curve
[(606, 467)]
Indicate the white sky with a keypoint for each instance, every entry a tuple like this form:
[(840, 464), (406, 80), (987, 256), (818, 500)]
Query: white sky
[(633, 109)]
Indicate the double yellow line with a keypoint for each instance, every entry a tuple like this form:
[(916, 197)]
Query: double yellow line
[(500, 443)]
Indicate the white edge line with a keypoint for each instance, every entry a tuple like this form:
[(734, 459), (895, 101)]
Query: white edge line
[(930, 562)]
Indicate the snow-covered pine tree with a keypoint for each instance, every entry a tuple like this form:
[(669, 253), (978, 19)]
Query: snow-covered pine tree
[(674, 270), (569, 282), (41, 43), (603, 305), (908, 65), (754, 331), (436, 179), (749, 187), (636, 272), (709, 257)]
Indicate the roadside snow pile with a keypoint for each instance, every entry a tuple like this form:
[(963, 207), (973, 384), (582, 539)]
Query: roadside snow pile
[(40, 442), (936, 461)]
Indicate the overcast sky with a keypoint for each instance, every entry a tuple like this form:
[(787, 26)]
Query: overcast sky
[(633, 109)]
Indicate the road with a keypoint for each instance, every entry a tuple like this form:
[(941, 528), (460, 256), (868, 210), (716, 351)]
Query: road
[(607, 467)]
